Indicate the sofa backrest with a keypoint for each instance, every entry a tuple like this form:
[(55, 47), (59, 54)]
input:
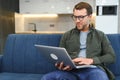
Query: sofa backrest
[(20, 54), (115, 42)]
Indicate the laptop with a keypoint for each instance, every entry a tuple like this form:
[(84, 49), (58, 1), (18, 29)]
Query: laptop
[(58, 54)]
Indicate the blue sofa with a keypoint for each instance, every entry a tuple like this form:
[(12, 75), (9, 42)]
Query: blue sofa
[(22, 60)]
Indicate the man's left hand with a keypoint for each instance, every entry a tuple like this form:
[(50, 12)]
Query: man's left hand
[(83, 61)]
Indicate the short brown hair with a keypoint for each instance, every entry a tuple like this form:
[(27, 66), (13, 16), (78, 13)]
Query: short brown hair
[(83, 5)]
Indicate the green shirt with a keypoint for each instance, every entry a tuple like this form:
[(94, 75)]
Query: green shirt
[(98, 47)]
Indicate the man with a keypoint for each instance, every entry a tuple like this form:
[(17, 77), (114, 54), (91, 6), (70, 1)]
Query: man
[(87, 46)]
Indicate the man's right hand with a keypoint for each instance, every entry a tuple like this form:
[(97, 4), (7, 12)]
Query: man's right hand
[(61, 66)]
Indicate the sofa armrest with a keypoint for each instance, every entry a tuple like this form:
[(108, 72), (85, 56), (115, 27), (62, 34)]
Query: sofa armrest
[(1, 56)]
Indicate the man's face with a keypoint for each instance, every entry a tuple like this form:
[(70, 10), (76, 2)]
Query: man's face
[(81, 19)]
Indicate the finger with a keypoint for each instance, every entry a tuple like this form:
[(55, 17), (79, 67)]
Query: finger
[(67, 68), (56, 64), (81, 63), (61, 65), (77, 60), (74, 60)]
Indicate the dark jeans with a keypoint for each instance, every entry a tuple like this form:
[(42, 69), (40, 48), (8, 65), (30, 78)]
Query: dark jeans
[(78, 74)]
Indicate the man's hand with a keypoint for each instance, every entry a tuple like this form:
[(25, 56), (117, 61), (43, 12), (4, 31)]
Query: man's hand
[(61, 66), (83, 61)]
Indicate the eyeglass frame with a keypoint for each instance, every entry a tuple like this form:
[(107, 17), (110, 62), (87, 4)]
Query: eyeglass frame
[(78, 17)]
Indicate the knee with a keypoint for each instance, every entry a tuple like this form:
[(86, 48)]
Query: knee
[(59, 76), (98, 74), (66, 76), (46, 77)]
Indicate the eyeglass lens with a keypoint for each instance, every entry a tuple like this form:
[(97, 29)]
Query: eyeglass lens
[(78, 17)]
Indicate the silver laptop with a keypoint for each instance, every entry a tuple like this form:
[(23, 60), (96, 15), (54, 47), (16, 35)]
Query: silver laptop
[(58, 54)]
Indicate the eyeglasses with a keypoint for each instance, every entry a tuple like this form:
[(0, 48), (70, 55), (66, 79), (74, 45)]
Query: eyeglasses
[(78, 17)]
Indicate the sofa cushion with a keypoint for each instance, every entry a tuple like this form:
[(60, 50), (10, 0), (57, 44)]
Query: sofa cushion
[(22, 56), (115, 42), (117, 78), (20, 76)]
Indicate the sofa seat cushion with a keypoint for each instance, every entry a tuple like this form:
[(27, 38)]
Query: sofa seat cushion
[(20, 76), (117, 78)]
